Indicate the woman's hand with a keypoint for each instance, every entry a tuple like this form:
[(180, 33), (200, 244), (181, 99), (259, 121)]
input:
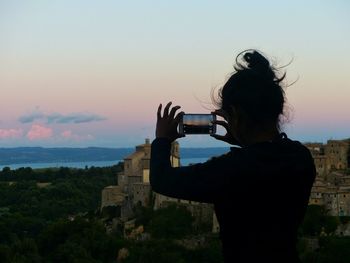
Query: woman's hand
[(228, 137), (167, 125)]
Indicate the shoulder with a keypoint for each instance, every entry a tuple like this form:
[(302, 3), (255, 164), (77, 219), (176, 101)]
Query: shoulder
[(224, 162), (284, 150), (301, 158), (298, 147)]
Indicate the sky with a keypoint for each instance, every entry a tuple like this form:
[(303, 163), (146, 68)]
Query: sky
[(92, 73)]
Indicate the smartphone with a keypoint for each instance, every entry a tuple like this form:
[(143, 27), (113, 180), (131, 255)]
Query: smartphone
[(197, 124)]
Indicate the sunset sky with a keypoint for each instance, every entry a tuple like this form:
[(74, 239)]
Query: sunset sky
[(92, 73)]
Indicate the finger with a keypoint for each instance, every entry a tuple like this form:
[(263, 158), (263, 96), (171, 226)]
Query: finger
[(173, 111), (178, 117), (222, 123), (159, 111), (181, 135), (166, 109), (218, 137), (221, 113)]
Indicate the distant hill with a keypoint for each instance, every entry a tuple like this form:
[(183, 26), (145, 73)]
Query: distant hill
[(51, 155), (48, 155)]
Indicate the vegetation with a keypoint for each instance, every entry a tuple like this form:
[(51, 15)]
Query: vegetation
[(171, 222), (34, 222), (160, 251), (316, 222), (320, 227), (52, 215)]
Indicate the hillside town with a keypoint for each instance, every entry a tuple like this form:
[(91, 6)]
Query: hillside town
[(332, 184)]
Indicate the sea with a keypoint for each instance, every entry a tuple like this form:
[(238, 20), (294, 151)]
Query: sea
[(183, 162)]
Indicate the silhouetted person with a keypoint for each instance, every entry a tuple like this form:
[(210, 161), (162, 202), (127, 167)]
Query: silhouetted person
[(261, 189)]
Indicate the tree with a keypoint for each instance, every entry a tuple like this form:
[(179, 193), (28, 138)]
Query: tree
[(171, 222), (317, 219), (80, 239), (334, 249)]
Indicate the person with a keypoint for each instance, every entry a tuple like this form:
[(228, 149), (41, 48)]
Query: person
[(260, 188)]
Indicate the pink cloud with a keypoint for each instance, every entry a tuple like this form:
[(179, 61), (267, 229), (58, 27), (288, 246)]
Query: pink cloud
[(10, 133), (66, 134), (69, 135), (38, 132)]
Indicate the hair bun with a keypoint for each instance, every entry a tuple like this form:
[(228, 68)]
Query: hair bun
[(257, 61)]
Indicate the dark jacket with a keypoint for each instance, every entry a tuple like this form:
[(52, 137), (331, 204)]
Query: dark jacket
[(260, 194)]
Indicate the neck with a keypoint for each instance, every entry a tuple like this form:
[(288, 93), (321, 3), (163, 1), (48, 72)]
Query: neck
[(250, 138)]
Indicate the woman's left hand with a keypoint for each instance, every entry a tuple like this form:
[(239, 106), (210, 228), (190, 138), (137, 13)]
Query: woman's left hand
[(167, 124)]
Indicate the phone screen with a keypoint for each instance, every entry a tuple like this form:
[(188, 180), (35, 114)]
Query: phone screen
[(197, 124)]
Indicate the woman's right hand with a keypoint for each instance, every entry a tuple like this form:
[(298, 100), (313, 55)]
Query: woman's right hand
[(228, 137)]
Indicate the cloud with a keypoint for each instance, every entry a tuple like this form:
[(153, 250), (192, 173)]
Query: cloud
[(38, 132), (60, 118), (10, 133), (75, 118), (69, 135), (66, 134)]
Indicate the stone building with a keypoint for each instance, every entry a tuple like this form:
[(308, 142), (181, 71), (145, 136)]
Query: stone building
[(112, 195), (337, 152), (317, 192), (334, 155), (331, 188), (333, 193), (316, 148), (133, 182), (216, 226)]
